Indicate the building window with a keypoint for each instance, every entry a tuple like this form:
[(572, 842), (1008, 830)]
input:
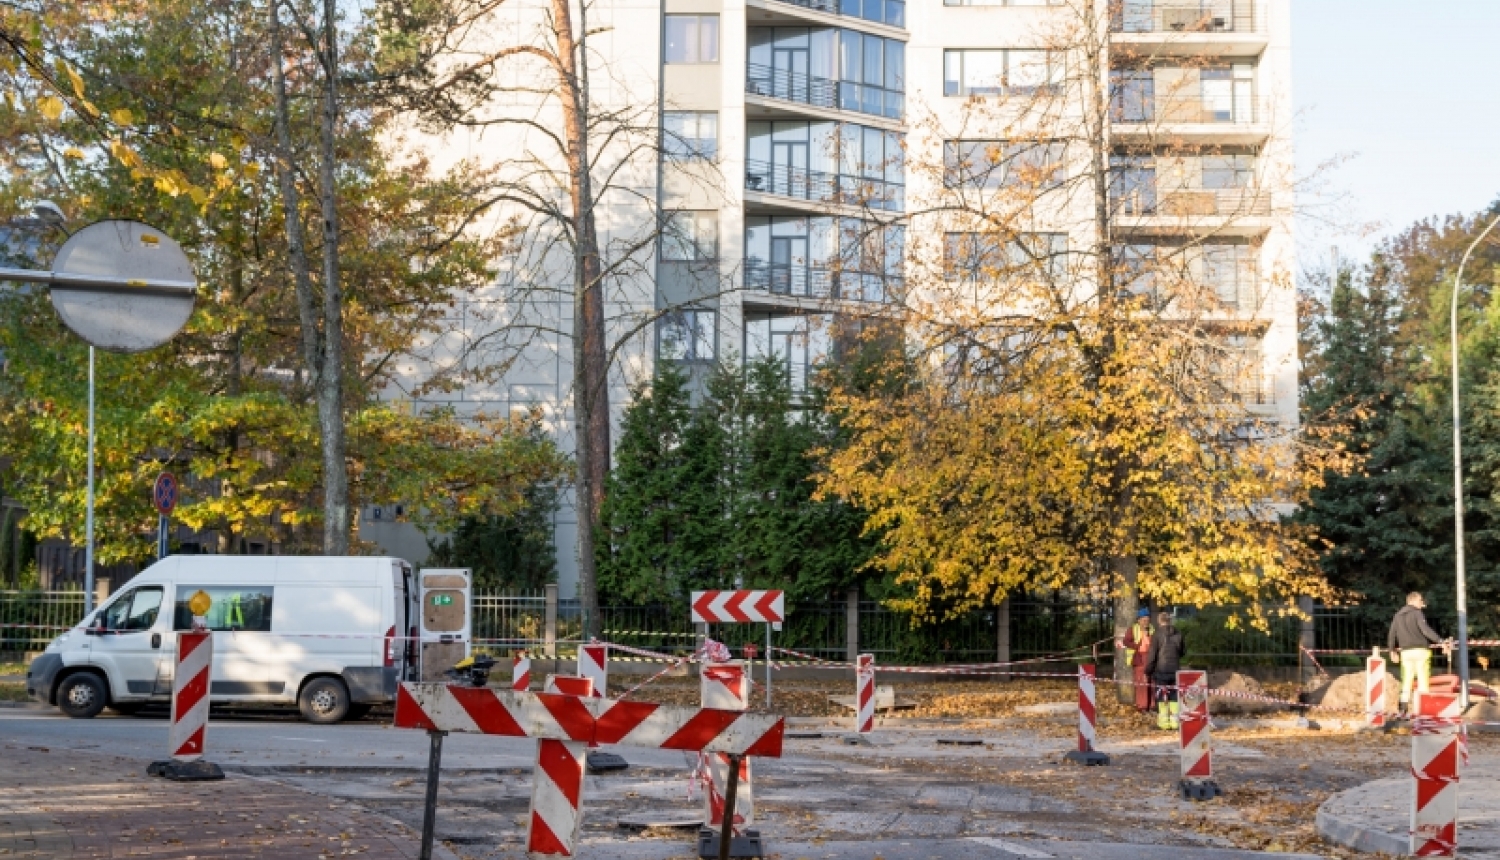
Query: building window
[(688, 134), (872, 74), (1228, 171), (688, 334), (1000, 164), (800, 343), (991, 257), (690, 237), (996, 72), (692, 39)]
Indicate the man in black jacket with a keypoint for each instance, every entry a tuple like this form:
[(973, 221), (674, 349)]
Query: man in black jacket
[(1409, 642), (1162, 663)]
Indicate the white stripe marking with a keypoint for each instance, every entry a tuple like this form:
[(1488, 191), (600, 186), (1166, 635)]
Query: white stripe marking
[(1011, 847)]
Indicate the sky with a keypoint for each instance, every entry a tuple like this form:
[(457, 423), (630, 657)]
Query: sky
[(1411, 89)]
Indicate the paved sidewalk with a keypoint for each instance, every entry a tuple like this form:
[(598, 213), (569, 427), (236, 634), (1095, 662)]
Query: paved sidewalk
[(59, 805), (1375, 816)]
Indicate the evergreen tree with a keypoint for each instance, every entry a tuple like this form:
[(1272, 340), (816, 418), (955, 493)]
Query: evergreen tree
[(1383, 525), (640, 555)]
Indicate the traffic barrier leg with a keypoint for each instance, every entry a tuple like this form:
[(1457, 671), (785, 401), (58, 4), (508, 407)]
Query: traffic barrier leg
[(1087, 721), (1437, 753), (593, 663), (520, 672), (188, 735), (557, 784), (1375, 691), (726, 686), (864, 672), (1195, 741)]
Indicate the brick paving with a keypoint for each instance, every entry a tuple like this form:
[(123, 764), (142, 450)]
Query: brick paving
[(59, 805)]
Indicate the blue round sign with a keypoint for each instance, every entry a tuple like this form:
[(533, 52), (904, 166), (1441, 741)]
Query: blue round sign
[(164, 494)]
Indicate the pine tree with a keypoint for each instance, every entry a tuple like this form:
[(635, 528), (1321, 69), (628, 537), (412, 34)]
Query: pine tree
[(1383, 524), (640, 554)]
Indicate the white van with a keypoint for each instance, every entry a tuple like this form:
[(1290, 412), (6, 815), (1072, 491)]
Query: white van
[(330, 634)]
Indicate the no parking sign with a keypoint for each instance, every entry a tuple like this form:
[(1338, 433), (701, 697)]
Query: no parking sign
[(164, 493)]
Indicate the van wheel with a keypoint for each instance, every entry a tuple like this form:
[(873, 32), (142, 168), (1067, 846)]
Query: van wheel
[(324, 700), (82, 696)]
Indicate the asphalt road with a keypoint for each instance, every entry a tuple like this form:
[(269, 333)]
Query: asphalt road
[(823, 799)]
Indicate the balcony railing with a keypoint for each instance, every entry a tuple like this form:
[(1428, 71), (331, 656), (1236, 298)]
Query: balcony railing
[(820, 187), (1134, 109), (820, 282), (1225, 202), (889, 12), (762, 80), (1187, 16)]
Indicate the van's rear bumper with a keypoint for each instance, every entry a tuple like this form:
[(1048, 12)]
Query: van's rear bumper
[(41, 676), (371, 685)]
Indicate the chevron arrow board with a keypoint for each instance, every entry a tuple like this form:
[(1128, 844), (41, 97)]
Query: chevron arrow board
[(739, 607)]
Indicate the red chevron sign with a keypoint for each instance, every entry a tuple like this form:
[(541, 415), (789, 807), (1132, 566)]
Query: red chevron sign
[(739, 607)]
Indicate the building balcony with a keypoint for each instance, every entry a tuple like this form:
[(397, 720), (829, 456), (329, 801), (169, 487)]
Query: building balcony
[(825, 191), (1191, 120), (888, 16), (825, 95), (1242, 212), (1202, 28), (819, 283)]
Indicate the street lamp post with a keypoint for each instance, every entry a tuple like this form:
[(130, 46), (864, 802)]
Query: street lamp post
[(1458, 482)]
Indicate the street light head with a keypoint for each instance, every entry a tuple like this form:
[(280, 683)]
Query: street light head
[(51, 213)]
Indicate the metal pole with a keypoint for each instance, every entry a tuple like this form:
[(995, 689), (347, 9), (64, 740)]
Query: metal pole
[(768, 665), (1458, 484), (88, 517), (726, 826), (429, 813)]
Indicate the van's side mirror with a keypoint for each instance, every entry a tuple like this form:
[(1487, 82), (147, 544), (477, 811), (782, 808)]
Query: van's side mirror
[(95, 629)]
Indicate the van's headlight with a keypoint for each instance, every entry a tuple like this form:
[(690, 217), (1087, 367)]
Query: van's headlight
[(57, 643)]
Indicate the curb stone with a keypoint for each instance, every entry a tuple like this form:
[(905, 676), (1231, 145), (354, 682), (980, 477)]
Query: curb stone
[(1359, 837)]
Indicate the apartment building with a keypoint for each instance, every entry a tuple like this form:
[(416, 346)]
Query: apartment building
[(786, 183)]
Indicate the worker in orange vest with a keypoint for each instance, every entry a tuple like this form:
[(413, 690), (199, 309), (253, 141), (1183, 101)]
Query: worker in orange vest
[(1137, 643)]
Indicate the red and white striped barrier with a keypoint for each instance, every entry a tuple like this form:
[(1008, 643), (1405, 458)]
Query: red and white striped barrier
[(190, 685), (726, 686), (1374, 691), (864, 674), (738, 607), (1087, 714), (1195, 742), (557, 784), (593, 663), (1087, 720), (520, 671), (1437, 754), (483, 710)]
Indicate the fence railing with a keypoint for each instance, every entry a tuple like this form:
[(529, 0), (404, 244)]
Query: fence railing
[(1133, 109), (787, 85), (1036, 628), (1187, 16), (785, 180), (889, 12), (820, 282), (1207, 202), (31, 619)]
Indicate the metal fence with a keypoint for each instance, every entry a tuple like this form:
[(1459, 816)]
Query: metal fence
[(31, 619), (1216, 636)]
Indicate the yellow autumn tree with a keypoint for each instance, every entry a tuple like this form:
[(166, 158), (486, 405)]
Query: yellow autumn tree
[(1096, 370)]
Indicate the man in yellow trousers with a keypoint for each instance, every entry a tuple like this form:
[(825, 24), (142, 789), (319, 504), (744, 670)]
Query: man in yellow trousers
[(1410, 642)]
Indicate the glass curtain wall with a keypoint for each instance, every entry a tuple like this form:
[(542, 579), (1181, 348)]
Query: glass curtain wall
[(825, 162), (824, 257), (828, 67)]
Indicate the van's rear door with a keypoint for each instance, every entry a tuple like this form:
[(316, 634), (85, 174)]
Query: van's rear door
[(404, 650)]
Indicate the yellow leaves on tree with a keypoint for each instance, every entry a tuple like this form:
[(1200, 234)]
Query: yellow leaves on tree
[(1031, 472)]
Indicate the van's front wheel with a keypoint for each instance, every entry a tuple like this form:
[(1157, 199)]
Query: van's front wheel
[(82, 696), (324, 700)]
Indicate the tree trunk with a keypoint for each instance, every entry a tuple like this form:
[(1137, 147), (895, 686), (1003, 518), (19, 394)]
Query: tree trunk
[(330, 385), (590, 355), (322, 347), (1123, 570)]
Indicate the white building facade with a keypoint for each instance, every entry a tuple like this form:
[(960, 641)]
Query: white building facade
[(788, 130)]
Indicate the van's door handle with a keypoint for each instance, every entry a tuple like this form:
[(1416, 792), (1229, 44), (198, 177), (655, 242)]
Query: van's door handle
[(155, 640)]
